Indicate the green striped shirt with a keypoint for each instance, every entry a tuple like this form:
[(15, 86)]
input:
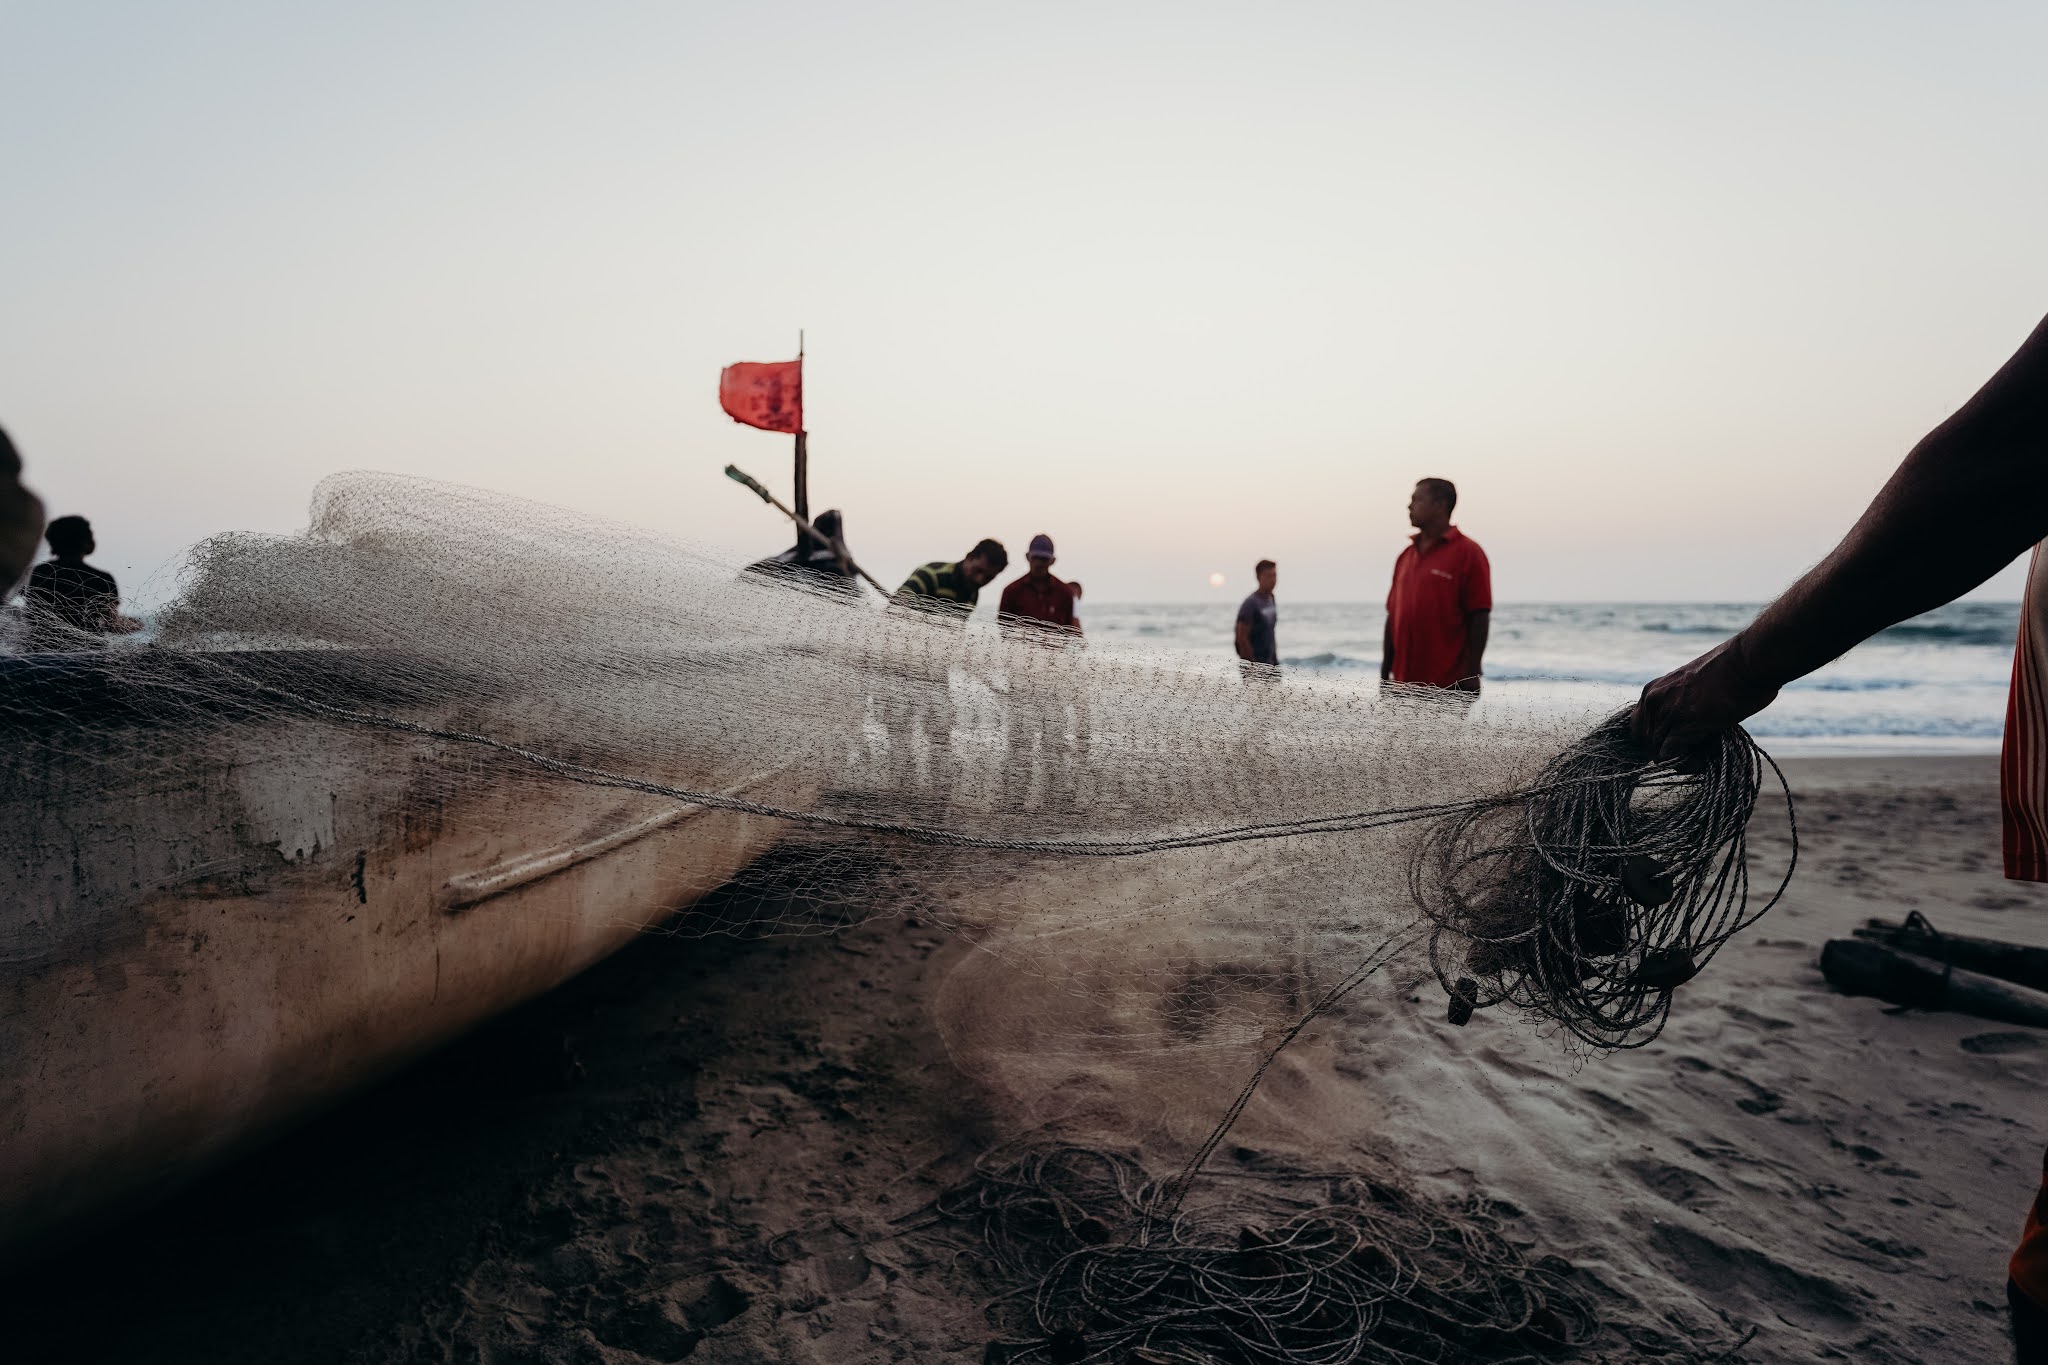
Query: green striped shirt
[(939, 587)]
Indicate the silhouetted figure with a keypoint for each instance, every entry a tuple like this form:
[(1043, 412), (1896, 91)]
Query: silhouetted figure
[(21, 519), (69, 603), (812, 562)]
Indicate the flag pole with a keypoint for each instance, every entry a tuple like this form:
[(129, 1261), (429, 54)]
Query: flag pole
[(803, 454)]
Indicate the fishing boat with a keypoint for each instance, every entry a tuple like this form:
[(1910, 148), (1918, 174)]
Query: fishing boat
[(217, 918)]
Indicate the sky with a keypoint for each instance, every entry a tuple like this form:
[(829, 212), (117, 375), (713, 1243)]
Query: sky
[(1668, 290)]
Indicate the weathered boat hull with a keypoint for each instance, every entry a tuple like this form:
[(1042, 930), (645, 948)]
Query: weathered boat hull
[(192, 962)]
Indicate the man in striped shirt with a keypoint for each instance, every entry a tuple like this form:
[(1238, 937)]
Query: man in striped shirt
[(953, 588), (1969, 499)]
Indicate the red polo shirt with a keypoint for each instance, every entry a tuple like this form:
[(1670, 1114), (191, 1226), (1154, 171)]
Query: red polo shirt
[(1054, 605), (1432, 595)]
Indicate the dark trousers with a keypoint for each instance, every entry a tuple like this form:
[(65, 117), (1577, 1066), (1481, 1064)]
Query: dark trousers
[(2029, 1327)]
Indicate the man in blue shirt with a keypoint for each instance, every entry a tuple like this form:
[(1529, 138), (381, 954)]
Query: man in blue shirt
[(1257, 618)]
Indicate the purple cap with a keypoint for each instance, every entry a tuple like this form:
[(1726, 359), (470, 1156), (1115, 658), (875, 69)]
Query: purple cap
[(1041, 547)]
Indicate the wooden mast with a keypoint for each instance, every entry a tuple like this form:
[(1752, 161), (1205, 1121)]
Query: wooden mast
[(803, 454)]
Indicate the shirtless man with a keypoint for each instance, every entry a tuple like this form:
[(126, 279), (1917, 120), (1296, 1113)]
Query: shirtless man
[(70, 603), (21, 519), (1969, 499)]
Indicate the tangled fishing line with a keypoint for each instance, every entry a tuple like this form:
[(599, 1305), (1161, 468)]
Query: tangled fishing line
[(1591, 898), (1284, 1268)]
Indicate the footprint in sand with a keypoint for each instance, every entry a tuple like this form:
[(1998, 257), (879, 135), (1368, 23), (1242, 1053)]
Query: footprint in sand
[(2000, 1044), (1717, 1260), (1755, 1020), (1673, 1184), (1760, 1100)]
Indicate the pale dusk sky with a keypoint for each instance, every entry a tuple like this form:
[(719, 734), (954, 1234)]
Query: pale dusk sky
[(1666, 289)]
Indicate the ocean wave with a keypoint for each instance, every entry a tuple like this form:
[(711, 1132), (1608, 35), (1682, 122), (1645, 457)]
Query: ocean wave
[(1675, 628), (1928, 633), (1997, 636), (1634, 678), (1822, 683), (1631, 678), (1768, 726)]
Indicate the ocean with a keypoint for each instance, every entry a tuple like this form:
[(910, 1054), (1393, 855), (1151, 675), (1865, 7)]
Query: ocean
[(1935, 684)]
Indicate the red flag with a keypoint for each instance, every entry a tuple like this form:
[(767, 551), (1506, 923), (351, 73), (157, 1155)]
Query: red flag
[(769, 396)]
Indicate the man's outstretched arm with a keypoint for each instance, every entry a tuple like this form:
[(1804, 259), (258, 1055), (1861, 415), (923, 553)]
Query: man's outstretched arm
[(1969, 499)]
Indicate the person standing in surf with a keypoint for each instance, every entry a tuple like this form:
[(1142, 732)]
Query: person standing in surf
[(1441, 602), (1258, 624)]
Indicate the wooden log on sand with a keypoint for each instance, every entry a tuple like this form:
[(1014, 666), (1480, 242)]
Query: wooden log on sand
[(2014, 962), (1858, 967)]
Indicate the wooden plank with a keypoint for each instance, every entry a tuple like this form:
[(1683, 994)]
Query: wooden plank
[(1859, 967), (523, 869), (2016, 962)]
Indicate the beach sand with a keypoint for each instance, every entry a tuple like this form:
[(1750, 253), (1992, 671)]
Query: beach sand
[(717, 1150)]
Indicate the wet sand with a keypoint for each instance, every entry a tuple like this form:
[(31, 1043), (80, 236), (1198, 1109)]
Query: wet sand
[(716, 1150)]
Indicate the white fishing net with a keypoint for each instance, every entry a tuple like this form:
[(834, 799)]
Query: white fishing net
[(437, 705)]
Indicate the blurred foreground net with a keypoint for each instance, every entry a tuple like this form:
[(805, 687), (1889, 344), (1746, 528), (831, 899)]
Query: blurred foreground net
[(1168, 870)]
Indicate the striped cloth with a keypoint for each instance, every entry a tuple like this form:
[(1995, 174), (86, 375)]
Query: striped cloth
[(2023, 762), (940, 587), (2023, 794)]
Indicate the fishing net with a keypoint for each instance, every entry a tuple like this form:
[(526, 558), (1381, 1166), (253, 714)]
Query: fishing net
[(1293, 1266), (444, 747)]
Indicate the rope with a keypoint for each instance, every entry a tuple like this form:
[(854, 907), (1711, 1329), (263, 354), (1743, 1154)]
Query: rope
[(1604, 889), (1278, 1268)]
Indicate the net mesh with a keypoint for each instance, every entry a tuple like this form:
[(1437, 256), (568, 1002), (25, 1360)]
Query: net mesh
[(1166, 869)]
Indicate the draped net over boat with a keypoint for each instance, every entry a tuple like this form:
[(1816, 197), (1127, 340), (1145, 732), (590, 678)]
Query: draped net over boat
[(374, 781)]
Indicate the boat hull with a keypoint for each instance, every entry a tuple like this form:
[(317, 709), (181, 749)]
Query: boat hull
[(193, 962)]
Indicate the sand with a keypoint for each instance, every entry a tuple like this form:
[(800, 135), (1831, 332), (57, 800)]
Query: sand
[(717, 1150)]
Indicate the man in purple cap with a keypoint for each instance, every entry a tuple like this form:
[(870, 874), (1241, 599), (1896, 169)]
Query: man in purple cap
[(1038, 596)]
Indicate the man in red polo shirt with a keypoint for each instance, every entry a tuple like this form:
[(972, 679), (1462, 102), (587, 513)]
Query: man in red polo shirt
[(1038, 597), (1441, 601)]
